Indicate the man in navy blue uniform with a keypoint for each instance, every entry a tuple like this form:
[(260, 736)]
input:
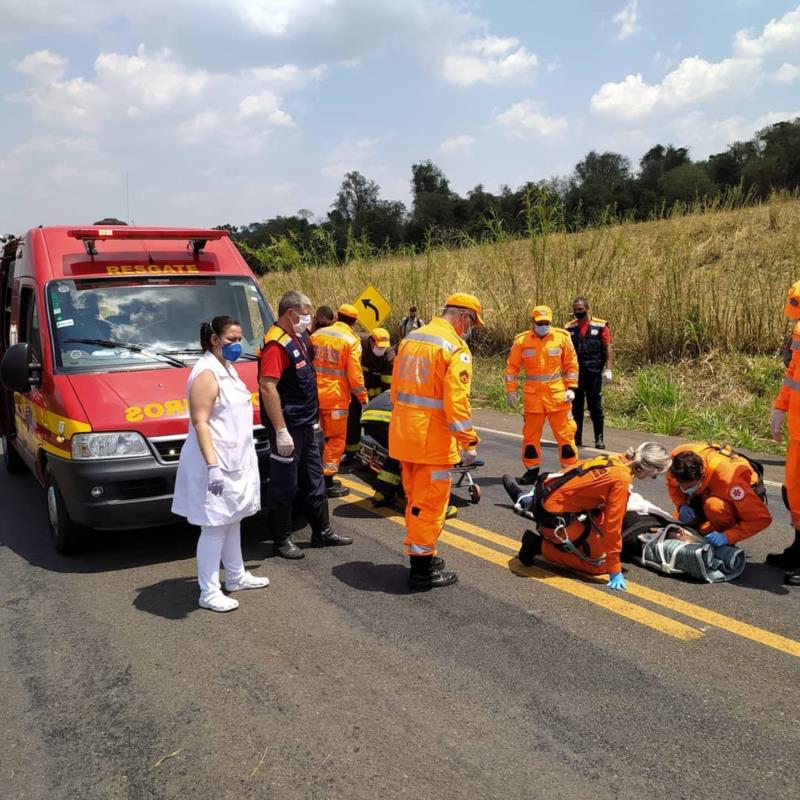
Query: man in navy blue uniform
[(592, 341), (289, 410)]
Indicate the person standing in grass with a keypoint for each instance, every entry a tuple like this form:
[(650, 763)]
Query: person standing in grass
[(591, 339), (410, 323), (788, 400)]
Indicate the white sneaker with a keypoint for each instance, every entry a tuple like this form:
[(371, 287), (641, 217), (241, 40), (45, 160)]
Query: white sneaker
[(218, 602), (247, 581)]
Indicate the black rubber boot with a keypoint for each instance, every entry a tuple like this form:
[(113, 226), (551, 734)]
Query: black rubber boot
[(789, 559), (513, 489), (321, 533), (334, 488), (279, 521), (437, 562), (530, 476), (424, 576), (531, 547), (793, 578), (599, 443)]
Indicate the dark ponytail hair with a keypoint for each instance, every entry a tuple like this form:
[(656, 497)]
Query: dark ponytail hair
[(217, 325)]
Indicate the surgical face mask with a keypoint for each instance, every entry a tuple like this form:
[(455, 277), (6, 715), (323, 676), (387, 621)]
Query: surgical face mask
[(580, 314), (303, 323), (541, 330), (231, 351), (690, 490), (378, 351)]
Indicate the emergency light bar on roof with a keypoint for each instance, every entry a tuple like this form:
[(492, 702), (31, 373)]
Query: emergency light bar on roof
[(197, 237)]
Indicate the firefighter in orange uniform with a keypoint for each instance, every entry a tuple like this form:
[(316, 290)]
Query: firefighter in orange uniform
[(580, 512), (547, 357), (717, 492), (337, 362), (789, 400), (432, 429)]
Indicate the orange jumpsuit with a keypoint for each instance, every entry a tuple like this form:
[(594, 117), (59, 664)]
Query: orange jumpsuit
[(788, 399), (337, 362), (725, 500), (603, 492), (550, 365), (431, 422)]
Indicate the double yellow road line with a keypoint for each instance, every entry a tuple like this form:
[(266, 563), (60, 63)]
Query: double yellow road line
[(585, 587)]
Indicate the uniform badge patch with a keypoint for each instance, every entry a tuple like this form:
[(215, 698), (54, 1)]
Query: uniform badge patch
[(737, 493), (594, 332), (465, 358)]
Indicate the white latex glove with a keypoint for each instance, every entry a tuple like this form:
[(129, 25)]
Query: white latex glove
[(511, 399), (607, 375), (284, 442), (216, 480), (776, 424), (468, 456), (570, 395)]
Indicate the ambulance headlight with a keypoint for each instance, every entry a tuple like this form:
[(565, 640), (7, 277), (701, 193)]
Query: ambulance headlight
[(108, 445)]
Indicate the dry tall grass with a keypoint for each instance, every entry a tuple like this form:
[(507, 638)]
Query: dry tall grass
[(672, 288)]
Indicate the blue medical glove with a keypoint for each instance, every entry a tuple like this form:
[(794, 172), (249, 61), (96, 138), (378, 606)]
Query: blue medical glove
[(686, 515), (716, 538), (216, 482), (617, 581)]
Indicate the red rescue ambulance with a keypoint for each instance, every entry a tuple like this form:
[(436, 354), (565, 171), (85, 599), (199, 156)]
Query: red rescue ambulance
[(99, 329)]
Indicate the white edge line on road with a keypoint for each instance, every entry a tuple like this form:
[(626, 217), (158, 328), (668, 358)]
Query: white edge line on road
[(589, 449)]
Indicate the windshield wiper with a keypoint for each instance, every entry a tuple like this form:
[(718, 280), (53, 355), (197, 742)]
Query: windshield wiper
[(134, 348), (198, 351)]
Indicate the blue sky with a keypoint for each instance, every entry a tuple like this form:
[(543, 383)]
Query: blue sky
[(238, 110)]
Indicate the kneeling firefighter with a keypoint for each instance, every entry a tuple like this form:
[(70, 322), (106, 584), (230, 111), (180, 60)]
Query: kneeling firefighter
[(579, 512)]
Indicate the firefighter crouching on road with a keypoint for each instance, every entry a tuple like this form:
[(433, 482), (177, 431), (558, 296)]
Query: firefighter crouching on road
[(580, 511), (591, 339), (717, 492), (432, 429), (289, 411), (788, 399), (550, 366), (377, 362), (337, 362)]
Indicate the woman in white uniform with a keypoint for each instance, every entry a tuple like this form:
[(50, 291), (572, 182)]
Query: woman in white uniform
[(218, 484)]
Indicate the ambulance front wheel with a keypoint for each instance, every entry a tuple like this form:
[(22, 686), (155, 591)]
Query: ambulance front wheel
[(12, 459), (475, 493), (65, 534)]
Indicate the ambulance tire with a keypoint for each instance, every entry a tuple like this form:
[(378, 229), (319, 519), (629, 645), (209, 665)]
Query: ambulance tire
[(67, 537), (12, 459)]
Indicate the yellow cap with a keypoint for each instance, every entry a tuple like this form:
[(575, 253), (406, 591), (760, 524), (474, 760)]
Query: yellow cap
[(348, 310), (381, 337), (542, 314), (469, 301), (792, 309)]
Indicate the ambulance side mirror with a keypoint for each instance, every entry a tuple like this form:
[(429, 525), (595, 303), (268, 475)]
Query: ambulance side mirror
[(18, 370)]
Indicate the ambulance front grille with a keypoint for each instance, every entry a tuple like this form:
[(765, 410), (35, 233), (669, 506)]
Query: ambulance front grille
[(168, 448)]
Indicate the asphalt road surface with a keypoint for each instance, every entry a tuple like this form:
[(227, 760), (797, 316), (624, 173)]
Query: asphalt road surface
[(335, 682)]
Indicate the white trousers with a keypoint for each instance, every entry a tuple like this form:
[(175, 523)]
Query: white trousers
[(218, 542)]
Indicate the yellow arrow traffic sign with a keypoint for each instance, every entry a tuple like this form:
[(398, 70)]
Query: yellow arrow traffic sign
[(372, 307)]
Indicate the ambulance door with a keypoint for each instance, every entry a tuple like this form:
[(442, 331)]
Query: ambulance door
[(7, 261)]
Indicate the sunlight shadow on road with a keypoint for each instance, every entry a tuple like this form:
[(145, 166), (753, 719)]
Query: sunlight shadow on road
[(174, 598), (367, 576)]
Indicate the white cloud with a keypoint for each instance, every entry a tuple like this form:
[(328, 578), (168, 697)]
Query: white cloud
[(778, 35), (693, 80), (457, 145), (786, 73), (489, 60), (42, 66), (350, 155), (627, 20), (527, 119), (191, 105)]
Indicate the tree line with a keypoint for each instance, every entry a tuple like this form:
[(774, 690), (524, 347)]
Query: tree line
[(603, 188)]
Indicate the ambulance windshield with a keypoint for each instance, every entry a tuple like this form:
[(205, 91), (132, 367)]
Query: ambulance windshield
[(136, 322)]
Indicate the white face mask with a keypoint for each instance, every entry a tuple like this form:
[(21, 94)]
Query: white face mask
[(379, 351), (303, 323), (690, 490)]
